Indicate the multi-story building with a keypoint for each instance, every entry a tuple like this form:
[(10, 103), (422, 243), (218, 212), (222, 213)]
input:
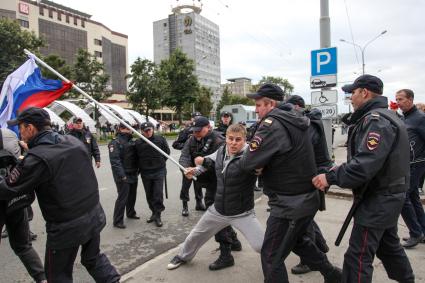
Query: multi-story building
[(66, 30), (238, 86), (196, 36)]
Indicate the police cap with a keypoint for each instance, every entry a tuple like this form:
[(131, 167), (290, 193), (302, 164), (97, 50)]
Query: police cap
[(32, 115)]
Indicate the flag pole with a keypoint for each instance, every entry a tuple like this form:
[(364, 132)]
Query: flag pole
[(105, 108)]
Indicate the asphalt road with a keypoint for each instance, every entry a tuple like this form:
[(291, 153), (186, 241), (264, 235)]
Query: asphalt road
[(126, 248)]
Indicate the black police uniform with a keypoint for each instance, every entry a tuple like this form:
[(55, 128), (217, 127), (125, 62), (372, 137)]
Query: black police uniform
[(89, 141), (15, 217), (178, 144), (378, 168), (282, 147), (152, 168), (413, 211), (59, 170), (123, 158)]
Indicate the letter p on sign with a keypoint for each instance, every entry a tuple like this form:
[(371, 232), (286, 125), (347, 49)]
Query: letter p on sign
[(324, 62)]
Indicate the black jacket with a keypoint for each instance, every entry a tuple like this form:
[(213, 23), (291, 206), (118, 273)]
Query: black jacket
[(58, 169), (415, 124), (221, 129), (235, 187), (182, 138), (151, 162), (123, 158), (205, 146), (377, 162), (282, 147), (89, 141)]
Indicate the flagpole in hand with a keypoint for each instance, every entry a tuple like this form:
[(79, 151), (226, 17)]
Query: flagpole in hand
[(31, 55)]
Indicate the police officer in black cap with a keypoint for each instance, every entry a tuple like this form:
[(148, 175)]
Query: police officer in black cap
[(152, 168), (225, 121), (205, 141), (281, 149), (59, 170), (123, 158), (178, 144), (86, 138), (377, 170)]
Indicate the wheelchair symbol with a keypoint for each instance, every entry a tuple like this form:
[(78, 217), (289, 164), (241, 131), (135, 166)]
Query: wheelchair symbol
[(322, 99)]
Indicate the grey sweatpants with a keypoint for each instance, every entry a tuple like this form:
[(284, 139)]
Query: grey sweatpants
[(212, 222)]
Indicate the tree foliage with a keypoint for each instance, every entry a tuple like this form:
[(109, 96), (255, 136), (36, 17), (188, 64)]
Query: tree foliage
[(90, 76), (203, 102), (286, 86), (146, 86), (59, 64), (229, 99), (13, 41), (182, 83)]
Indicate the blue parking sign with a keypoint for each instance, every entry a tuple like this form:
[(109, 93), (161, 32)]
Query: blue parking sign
[(323, 62)]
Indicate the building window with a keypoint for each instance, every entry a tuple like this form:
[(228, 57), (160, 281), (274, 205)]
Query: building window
[(83, 23), (59, 16), (50, 13), (97, 42), (67, 19), (41, 11), (165, 24), (24, 23), (75, 21), (98, 54)]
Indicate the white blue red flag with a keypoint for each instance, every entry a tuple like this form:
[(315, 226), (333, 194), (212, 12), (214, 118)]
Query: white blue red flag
[(26, 88)]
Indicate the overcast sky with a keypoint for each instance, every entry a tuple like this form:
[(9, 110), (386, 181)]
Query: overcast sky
[(275, 37)]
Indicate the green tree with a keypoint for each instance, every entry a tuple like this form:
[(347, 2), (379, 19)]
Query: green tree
[(286, 86), (182, 83), (59, 64), (13, 41), (146, 86), (203, 102), (90, 76)]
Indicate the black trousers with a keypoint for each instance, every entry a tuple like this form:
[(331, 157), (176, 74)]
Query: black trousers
[(154, 189), (19, 238), (125, 201), (315, 234), (59, 263), (364, 244), (283, 236), (184, 192)]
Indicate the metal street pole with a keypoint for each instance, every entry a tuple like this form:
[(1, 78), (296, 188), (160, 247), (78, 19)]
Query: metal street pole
[(362, 49)]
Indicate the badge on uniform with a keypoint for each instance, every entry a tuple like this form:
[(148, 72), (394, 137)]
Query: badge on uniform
[(88, 140), (13, 176), (111, 148), (255, 143), (373, 140)]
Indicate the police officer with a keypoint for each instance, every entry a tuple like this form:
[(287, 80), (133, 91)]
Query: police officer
[(87, 138), (377, 170), (281, 149), (16, 210), (225, 121), (152, 168), (323, 164), (58, 169), (123, 158), (184, 192), (205, 141)]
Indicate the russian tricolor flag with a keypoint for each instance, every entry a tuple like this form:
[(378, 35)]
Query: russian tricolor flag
[(26, 88)]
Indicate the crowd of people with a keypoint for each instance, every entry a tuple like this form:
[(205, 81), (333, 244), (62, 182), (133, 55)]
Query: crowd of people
[(285, 154)]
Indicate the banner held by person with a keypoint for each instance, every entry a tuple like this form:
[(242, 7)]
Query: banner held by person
[(25, 88)]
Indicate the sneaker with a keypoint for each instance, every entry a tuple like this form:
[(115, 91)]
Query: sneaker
[(175, 263), (300, 269)]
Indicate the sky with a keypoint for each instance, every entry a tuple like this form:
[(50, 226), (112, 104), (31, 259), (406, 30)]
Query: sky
[(275, 37)]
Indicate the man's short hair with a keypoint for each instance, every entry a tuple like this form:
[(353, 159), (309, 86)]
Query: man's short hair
[(236, 128), (409, 93)]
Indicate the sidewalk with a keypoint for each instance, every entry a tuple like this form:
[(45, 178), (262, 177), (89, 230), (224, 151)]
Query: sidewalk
[(247, 267)]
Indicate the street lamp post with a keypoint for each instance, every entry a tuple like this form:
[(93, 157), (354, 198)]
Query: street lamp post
[(362, 49)]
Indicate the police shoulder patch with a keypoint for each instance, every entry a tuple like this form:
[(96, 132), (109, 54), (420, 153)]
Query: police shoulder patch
[(372, 141), (111, 148), (255, 143)]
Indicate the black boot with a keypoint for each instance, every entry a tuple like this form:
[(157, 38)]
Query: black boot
[(224, 260), (158, 221), (236, 244), (151, 219), (185, 210), (332, 274), (200, 206)]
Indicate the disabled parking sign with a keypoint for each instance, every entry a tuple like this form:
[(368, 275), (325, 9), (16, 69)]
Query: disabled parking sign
[(324, 61)]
